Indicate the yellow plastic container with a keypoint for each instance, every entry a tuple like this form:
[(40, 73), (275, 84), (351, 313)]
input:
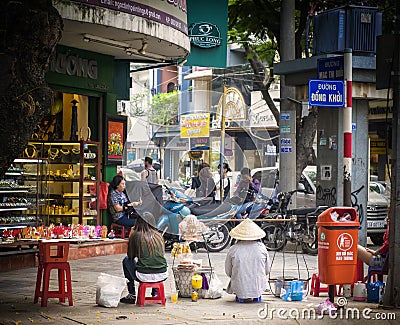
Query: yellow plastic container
[(197, 281)]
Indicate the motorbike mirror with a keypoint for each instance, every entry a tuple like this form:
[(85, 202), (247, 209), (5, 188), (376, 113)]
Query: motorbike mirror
[(301, 188)]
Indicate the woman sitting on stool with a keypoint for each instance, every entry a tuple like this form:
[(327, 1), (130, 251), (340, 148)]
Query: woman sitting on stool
[(371, 257), (145, 261), (119, 204), (247, 262)]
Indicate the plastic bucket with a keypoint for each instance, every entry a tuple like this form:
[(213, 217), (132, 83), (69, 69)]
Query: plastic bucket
[(296, 290)]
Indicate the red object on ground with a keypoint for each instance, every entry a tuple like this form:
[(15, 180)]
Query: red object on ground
[(142, 299), (49, 261), (337, 245)]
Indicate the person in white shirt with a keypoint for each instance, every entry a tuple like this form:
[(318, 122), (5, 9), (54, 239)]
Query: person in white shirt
[(225, 182)]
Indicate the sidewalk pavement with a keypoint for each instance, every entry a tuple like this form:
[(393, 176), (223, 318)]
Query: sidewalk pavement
[(17, 289)]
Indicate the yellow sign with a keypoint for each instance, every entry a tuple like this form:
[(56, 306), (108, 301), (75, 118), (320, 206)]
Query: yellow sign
[(378, 146), (195, 125), (195, 155)]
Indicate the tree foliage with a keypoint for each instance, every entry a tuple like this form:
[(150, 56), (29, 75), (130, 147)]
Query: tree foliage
[(164, 109), (255, 24), (29, 32)]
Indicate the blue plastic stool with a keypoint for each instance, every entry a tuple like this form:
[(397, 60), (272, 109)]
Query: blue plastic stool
[(244, 300)]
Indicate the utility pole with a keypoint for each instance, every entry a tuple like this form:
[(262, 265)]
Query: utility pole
[(287, 123), (391, 297), (347, 127)]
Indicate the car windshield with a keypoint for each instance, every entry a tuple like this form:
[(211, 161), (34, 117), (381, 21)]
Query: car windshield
[(312, 175), (380, 188)]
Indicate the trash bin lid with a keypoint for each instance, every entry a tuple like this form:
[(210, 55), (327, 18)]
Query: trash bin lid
[(338, 217)]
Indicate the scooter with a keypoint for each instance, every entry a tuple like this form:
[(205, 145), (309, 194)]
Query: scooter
[(254, 209), (214, 215)]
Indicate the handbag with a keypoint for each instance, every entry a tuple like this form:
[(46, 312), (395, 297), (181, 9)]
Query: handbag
[(103, 195)]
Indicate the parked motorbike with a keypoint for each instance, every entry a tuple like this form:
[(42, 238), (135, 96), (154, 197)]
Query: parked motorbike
[(254, 209), (214, 215), (296, 225)]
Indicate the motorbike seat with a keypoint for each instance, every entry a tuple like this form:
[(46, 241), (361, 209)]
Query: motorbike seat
[(210, 210), (301, 211)]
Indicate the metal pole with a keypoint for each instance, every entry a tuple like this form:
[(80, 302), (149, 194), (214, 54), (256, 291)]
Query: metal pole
[(222, 146), (347, 138), (347, 127), (287, 123)]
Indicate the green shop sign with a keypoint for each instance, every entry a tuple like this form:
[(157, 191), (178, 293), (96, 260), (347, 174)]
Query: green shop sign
[(77, 68), (205, 35), (208, 29)]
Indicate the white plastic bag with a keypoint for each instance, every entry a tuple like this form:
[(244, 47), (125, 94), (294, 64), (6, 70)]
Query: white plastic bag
[(109, 289), (214, 288)]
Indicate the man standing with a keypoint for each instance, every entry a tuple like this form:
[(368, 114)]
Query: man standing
[(149, 174)]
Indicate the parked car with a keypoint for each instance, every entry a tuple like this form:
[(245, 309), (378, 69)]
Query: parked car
[(377, 211), (267, 177), (377, 205)]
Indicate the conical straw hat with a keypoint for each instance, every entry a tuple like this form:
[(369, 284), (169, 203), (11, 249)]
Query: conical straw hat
[(247, 230)]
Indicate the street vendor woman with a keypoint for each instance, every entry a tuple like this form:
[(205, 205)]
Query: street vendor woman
[(247, 262)]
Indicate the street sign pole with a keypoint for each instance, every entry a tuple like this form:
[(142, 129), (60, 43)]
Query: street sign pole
[(347, 127)]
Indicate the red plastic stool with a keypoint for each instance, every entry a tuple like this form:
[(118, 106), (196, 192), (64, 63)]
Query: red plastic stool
[(316, 286), (49, 261), (142, 299), (120, 231)]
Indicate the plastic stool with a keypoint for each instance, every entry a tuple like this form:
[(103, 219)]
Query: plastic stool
[(120, 231), (359, 276), (47, 262), (244, 300), (141, 297), (316, 286)]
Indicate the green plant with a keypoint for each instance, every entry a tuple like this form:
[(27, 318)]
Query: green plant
[(164, 109)]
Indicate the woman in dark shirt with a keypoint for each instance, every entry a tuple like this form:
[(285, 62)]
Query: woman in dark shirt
[(145, 261)]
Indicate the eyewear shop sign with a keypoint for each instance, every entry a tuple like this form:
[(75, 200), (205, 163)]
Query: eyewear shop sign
[(326, 93), (196, 125)]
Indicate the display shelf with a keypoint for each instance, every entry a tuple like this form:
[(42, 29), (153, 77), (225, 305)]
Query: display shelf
[(22, 192), (72, 180)]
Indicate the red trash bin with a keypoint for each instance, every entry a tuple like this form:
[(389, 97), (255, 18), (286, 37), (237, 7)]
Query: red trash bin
[(337, 245)]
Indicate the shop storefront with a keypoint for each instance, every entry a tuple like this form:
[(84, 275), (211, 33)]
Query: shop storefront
[(64, 159)]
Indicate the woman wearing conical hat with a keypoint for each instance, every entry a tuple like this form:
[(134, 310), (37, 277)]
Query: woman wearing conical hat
[(247, 262)]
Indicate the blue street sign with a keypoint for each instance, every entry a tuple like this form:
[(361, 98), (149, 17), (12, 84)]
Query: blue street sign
[(331, 68), (326, 93)]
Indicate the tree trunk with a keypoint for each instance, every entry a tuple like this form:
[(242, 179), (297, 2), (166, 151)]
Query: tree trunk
[(29, 31)]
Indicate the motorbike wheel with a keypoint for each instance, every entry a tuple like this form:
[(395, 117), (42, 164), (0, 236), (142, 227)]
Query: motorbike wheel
[(275, 238), (218, 232), (311, 248)]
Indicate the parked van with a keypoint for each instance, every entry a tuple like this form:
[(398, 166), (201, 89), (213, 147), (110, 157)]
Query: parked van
[(377, 205)]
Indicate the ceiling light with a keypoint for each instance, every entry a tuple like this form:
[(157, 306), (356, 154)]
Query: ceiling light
[(132, 51), (105, 41), (180, 64), (143, 49)]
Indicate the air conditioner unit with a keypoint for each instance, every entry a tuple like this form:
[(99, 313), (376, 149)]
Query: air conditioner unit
[(354, 27), (122, 106)]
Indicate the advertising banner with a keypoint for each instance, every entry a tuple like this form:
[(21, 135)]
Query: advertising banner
[(195, 125)]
